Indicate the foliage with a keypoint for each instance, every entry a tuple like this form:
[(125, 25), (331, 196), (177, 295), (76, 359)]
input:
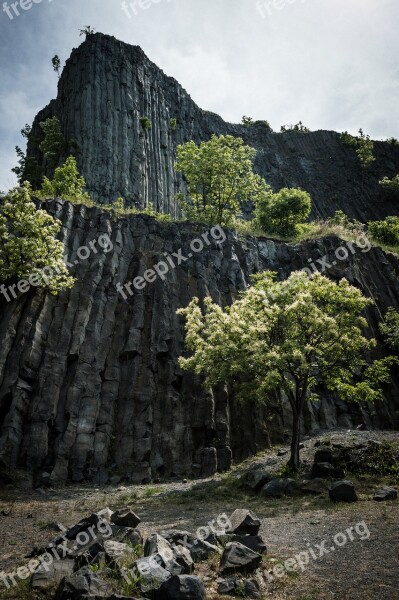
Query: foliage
[(66, 183), (247, 121), (173, 124), (54, 143), (298, 128), (56, 62), (290, 336), (381, 459), (390, 329), (363, 145), (393, 141), (391, 186), (145, 123), (28, 168), (281, 212), (386, 231), (119, 209), (28, 243), (220, 179), (87, 30)]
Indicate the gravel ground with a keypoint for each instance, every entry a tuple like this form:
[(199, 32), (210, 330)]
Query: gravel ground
[(360, 569)]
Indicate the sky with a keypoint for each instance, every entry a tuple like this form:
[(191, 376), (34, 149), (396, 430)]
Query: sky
[(333, 64)]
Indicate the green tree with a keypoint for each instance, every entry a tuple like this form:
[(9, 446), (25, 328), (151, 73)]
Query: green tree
[(54, 144), (290, 336), (56, 62), (66, 183), (297, 128), (282, 212), (86, 31), (29, 243), (386, 231), (145, 122), (28, 169), (220, 179), (390, 329)]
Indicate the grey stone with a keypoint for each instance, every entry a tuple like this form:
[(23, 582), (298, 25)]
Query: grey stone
[(385, 493), (244, 521), (342, 491), (325, 469), (152, 575), (277, 488), (238, 558), (182, 587), (256, 479), (125, 518), (51, 574), (82, 583), (199, 549)]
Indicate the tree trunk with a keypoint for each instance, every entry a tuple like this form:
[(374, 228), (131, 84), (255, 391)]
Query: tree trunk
[(295, 440)]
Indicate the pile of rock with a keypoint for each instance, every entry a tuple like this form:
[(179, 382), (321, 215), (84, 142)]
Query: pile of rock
[(105, 555)]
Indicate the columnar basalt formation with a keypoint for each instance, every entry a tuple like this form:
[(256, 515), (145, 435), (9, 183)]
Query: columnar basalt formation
[(90, 386), (108, 86)]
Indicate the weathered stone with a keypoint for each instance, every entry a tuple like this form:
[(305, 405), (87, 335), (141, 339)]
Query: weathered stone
[(251, 589), (117, 553), (315, 486), (277, 488), (385, 493), (151, 574), (83, 583), (51, 574), (125, 518), (244, 521), (238, 558), (177, 560), (256, 479), (227, 586), (199, 549), (182, 587), (342, 491)]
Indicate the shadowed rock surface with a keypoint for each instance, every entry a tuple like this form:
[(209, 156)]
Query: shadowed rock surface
[(107, 86), (90, 387)]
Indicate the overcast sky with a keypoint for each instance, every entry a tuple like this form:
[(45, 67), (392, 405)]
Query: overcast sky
[(331, 63)]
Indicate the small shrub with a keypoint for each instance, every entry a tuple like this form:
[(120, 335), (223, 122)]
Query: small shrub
[(386, 231), (173, 124), (298, 128), (283, 211), (363, 145), (145, 123), (247, 121), (390, 329), (391, 186)]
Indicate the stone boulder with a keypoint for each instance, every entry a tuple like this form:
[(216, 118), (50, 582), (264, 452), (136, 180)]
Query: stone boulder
[(385, 493), (238, 558), (125, 518), (277, 488), (51, 574), (256, 479), (326, 469), (342, 491), (182, 587), (83, 583), (244, 522)]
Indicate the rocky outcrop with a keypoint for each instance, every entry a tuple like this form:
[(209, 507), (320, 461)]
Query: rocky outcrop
[(107, 86), (90, 386)]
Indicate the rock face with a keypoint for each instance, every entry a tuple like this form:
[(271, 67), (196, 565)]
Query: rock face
[(90, 385), (107, 86)]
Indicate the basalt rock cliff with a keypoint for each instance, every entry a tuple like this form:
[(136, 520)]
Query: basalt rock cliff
[(90, 387), (107, 86)]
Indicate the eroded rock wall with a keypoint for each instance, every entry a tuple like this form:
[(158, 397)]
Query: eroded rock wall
[(90, 386)]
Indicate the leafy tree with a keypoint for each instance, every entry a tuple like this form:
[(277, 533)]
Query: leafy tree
[(363, 145), (220, 178), (390, 329), (290, 336), (298, 128), (282, 212), (56, 62), (391, 186), (29, 243), (173, 124), (386, 231), (54, 143), (66, 183), (247, 121), (28, 168)]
